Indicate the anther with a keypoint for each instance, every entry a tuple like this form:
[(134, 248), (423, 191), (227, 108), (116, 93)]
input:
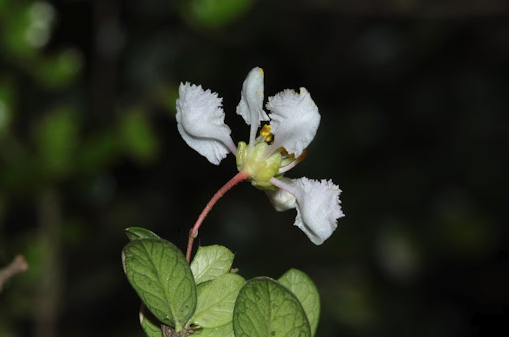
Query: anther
[(265, 130)]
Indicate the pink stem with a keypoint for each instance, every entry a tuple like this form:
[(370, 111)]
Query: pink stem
[(241, 176)]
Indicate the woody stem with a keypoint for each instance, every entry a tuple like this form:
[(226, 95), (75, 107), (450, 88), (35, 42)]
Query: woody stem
[(241, 176)]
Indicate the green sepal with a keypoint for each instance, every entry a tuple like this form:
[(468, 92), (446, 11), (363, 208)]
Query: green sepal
[(266, 185), (305, 290), (255, 161), (161, 276), (240, 157), (266, 308)]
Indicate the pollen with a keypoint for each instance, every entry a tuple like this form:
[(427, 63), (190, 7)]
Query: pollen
[(260, 72), (265, 130)]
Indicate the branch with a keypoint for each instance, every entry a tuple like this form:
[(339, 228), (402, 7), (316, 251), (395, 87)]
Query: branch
[(18, 265)]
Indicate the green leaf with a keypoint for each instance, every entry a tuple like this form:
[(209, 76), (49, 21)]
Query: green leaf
[(159, 273), (211, 262), (303, 287), (135, 233), (149, 323), (216, 300), (222, 331), (266, 308)]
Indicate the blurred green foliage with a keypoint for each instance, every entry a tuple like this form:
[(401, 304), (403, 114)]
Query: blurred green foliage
[(57, 138), (217, 13), (48, 142)]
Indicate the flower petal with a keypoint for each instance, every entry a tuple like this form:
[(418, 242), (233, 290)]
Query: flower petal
[(281, 199), (251, 98), (200, 119), (294, 120), (318, 208)]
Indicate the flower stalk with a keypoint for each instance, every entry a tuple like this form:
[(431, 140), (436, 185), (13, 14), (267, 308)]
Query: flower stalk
[(193, 233)]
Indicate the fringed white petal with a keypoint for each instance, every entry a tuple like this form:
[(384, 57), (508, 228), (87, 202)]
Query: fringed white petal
[(200, 119), (318, 208), (294, 120), (251, 98), (281, 199)]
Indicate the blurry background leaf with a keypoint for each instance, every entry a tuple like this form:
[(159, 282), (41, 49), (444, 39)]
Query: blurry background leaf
[(138, 137), (57, 139), (98, 151), (59, 69), (6, 105), (27, 27), (216, 13)]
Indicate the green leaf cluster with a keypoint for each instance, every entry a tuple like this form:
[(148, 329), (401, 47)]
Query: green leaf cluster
[(208, 298)]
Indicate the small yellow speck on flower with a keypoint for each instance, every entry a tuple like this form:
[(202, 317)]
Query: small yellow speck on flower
[(265, 132)]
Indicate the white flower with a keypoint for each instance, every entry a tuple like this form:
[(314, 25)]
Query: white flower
[(294, 120)]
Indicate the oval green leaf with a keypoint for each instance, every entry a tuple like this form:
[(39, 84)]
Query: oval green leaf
[(135, 233), (216, 300), (149, 323), (266, 308), (222, 331), (211, 262), (159, 273), (303, 287)]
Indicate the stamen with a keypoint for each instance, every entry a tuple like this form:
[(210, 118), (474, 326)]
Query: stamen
[(265, 130), (283, 151), (293, 163)]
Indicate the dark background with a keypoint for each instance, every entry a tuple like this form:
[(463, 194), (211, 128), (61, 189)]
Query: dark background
[(414, 98)]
